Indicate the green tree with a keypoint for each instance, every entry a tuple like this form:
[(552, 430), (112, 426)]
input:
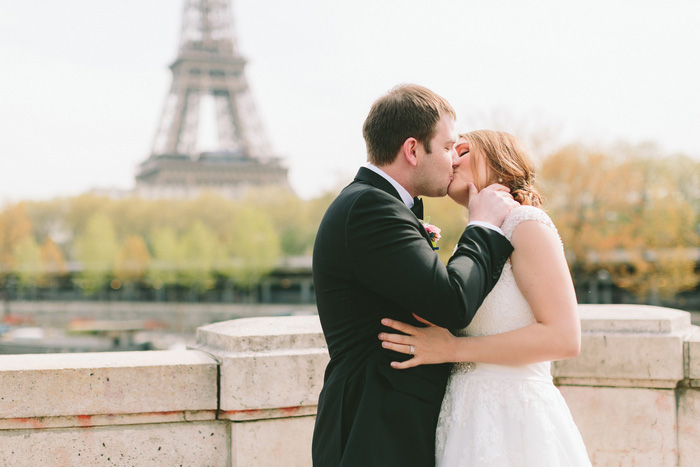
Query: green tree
[(80, 210), (253, 247), (96, 248), (200, 248), (27, 254), (166, 259), (294, 220)]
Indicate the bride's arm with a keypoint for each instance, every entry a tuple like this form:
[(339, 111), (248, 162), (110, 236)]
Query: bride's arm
[(541, 272)]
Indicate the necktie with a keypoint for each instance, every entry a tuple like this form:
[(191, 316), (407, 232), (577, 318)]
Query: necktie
[(417, 208)]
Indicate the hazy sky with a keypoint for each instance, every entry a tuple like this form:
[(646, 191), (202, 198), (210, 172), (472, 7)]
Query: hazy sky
[(82, 82)]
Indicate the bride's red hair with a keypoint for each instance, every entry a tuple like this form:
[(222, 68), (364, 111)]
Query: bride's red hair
[(507, 162)]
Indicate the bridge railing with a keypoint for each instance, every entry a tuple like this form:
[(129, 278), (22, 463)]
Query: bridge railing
[(247, 393)]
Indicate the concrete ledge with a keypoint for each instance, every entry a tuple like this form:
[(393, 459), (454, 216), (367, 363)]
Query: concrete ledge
[(262, 334), (270, 367), (636, 346), (273, 383), (102, 388), (632, 319)]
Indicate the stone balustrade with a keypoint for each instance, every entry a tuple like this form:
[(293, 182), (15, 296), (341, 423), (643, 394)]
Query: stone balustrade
[(246, 396), (633, 390)]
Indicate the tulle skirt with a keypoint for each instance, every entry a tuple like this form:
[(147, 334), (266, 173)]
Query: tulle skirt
[(495, 415)]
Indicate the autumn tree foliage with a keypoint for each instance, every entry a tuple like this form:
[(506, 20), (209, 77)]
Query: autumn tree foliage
[(133, 260), (15, 228), (629, 211), (53, 263)]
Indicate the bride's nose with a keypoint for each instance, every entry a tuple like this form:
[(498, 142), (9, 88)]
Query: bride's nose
[(455, 158)]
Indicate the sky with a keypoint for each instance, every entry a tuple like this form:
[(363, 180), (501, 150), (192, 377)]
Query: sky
[(83, 82)]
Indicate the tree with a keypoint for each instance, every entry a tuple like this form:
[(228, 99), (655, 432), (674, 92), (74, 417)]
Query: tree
[(622, 210), (253, 247), (167, 257), (15, 227), (132, 261), (80, 210), (295, 221), (49, 219), (53, 263), (96, 248), (27, 256), (200, 248), (663, 233)]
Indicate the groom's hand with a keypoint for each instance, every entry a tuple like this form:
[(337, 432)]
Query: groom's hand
[(428, 345), (490, 205)]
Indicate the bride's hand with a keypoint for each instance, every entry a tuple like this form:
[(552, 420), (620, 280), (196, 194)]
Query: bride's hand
[(431, 344)]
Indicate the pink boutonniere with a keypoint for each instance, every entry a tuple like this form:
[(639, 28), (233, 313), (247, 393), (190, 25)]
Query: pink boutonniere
[(433, 232)]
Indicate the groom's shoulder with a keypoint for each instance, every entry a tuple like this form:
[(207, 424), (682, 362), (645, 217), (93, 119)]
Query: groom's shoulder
[(364, 194)]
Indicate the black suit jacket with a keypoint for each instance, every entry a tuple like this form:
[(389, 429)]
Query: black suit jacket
[(373, 259)]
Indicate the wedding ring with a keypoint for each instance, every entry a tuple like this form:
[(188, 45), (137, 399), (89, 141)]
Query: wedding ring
[(411, 348)]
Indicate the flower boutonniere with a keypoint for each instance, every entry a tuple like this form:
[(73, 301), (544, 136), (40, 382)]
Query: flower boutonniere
[(433, 232)]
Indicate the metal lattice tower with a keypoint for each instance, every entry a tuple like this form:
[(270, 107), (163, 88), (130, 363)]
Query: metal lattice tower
[(209, 70)]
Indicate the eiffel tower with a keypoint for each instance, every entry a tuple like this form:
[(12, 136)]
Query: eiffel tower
[(208, 82)]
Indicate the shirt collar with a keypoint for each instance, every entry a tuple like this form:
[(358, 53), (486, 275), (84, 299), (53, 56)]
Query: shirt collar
[(405, 195)]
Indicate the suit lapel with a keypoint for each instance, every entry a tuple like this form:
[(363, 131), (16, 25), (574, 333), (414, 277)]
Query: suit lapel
[(364, 175)]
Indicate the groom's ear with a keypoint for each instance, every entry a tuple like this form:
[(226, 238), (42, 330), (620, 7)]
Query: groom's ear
[(409, 151)]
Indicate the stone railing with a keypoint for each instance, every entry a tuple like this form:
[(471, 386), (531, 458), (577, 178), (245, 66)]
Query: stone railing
[(246, 396), (634, 390)]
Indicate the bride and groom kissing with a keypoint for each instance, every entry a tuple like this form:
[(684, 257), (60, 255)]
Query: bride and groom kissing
[(423, 396)]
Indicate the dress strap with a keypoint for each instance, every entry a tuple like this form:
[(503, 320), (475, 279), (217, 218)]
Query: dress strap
[(522, 214)]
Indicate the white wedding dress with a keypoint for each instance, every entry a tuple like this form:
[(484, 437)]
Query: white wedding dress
[(495, 415)]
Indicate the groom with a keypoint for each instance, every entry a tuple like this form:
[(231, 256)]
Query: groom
[(373, 259)]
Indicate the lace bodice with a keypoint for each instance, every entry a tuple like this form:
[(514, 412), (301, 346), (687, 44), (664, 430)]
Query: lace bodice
[(505, 308)]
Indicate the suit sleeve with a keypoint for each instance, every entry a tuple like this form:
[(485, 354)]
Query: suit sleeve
[(393, 259)]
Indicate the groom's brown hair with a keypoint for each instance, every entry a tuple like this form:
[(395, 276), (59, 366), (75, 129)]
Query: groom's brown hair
[(406, 111)]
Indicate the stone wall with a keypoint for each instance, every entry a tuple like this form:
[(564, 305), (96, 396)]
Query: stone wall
[(128, 408), (634, 390), (246, 396)]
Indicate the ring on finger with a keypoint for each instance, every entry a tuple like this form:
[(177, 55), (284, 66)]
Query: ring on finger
[(411, 349)]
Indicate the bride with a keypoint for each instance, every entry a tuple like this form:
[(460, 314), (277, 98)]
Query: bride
[(501, 407)]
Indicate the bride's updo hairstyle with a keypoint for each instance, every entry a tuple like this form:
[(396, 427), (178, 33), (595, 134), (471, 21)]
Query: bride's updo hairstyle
[(507, 163)]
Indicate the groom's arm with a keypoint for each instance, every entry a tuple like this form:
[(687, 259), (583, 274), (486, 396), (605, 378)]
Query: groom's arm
[(393, 259)]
